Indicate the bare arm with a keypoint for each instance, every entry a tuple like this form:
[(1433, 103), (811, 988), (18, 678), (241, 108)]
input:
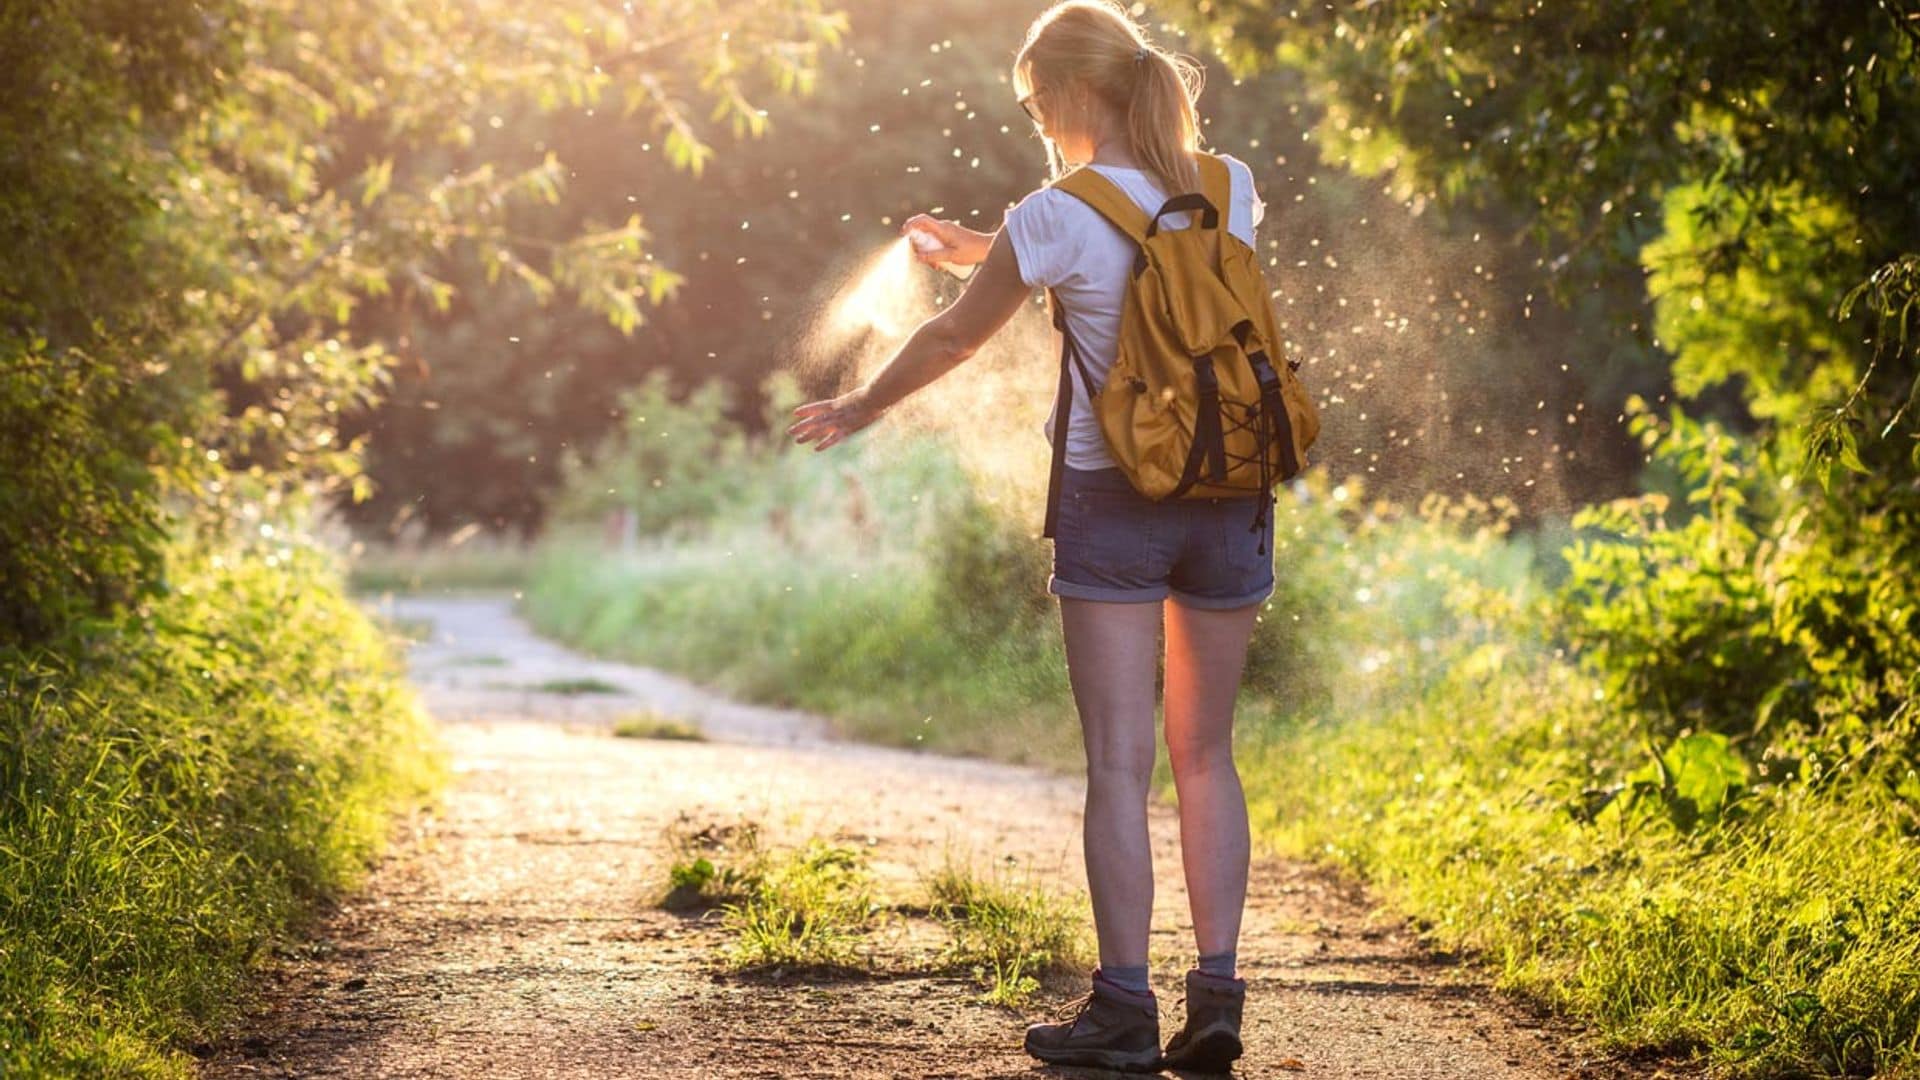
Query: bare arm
[(939, 345)]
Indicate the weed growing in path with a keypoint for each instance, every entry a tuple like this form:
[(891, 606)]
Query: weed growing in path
[(712, 864), (810, 909), (572, 687), (813, 907), (1007, 931), (651, 725)]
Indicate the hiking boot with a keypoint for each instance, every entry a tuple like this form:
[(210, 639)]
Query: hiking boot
[(1108, 1027), (1209, 1040)]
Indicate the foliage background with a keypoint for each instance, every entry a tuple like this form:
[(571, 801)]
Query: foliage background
[(1644, 740), (201, 736), (1596, 653), (1428, 328)]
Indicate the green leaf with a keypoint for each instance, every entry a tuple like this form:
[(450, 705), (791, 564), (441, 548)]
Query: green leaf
[(1705, 771), (375, 181)]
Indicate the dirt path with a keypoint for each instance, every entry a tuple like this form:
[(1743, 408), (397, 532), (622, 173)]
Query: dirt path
[(514, 935)]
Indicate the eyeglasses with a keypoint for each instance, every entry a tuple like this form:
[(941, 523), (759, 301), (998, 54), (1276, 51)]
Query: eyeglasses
[(1026, 105)]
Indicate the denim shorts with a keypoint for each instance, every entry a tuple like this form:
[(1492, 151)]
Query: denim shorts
[(1113, 543)]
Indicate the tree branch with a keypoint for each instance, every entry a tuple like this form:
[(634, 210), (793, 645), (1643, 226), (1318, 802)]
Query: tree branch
[(260, 311)]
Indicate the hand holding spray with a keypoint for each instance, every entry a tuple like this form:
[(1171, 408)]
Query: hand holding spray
[(926, 242)]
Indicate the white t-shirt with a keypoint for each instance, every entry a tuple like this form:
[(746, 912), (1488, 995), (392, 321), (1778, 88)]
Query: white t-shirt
[(1065, 245)]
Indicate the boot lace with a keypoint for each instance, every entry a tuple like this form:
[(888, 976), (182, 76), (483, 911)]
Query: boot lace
[(1073, 1010)]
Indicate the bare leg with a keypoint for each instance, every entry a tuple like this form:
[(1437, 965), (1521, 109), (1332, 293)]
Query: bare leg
[(1206, 652), (1110, 662)]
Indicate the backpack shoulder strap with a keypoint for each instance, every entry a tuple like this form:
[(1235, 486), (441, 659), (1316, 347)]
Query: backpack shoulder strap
[(1216, 183), (1087, 185), (1113, 204)]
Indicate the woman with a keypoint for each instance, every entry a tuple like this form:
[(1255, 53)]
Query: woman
[(1105, 97)]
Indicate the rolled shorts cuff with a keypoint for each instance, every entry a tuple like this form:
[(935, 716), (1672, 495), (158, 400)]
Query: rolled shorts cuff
[(1221, 603), (1073, 590)]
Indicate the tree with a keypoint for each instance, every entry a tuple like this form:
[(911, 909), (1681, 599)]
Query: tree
[(915, 113), (215, 189), (1756, 163)]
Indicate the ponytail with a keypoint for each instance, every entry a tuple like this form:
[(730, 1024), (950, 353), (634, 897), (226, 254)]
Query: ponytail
[(1161, 120)]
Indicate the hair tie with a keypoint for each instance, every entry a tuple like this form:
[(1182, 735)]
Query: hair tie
[(1139, 55)]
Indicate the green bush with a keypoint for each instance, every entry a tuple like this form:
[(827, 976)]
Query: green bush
[(94, 415), (80, 527), (176, 792), (873, 584), (1800, 643), (1367, 589)]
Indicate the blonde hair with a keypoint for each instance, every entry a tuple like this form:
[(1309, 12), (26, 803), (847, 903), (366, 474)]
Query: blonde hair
[(1098, 45)]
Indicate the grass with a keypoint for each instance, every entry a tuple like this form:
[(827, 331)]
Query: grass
[(654, 726), (576, 686), (855, 600), (809, 909), (1009, 932), (177, 792), (872, 646), (1782, 943), (814, 907)]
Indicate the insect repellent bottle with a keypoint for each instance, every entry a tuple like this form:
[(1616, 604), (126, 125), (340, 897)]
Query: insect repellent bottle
[(925, 241)]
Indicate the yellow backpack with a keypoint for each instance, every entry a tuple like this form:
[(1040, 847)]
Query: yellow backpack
[(1194, 406)]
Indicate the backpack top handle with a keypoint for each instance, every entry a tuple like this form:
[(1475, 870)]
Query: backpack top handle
[(1209, 217)]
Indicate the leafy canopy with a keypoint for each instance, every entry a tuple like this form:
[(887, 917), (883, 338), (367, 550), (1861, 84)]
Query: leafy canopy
[(210, 189)]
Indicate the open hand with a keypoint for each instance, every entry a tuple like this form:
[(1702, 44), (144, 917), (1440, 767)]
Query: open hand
[(825, 423)]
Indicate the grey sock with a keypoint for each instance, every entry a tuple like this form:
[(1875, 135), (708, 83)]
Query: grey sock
[(1220, 963), (1127, 977)]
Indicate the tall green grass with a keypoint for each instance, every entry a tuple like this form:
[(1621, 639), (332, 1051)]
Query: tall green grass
[(1779, 943), (462, 565), (853, 593), (176, 791)]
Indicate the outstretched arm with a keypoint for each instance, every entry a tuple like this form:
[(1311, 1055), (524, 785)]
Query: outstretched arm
[(938, 346)]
